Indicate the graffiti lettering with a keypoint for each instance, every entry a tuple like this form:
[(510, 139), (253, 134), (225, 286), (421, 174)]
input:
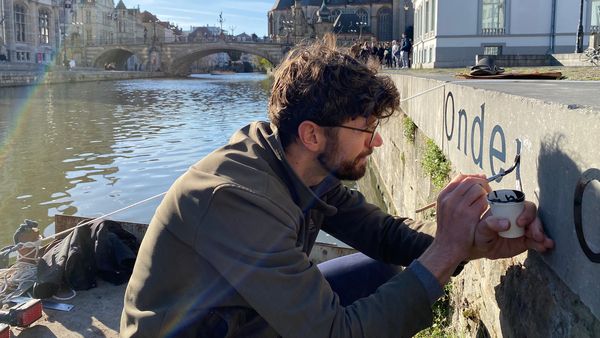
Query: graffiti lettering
[(477, 129)]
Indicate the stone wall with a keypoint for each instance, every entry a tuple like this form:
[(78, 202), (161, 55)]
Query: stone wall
[(532, 295), (13, 78)]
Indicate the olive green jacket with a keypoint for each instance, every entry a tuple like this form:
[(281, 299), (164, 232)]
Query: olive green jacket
[(226, 254)]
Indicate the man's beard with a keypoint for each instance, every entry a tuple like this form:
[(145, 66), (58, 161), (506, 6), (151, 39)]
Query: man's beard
[(342, 170)]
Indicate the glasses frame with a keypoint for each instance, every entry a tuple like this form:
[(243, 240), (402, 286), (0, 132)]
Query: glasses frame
[(365, 130)]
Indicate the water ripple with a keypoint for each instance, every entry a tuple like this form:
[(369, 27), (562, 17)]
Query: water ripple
[(91, 148)]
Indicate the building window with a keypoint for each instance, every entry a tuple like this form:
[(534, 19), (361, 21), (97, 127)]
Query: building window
[(424, 20), (20, 23), (432, 21), (363, 16), (595, 22), (427, 16), (23, 56), (335, 13), (492, 50), (492, 17), (384, 32), (417, 30), (88, 17), (44, 26)]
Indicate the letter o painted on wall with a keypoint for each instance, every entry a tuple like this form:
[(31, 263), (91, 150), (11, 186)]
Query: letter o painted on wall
[(587, 177), (451, 129)]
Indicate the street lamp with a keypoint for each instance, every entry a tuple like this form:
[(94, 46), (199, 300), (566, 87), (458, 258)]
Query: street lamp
[(154, 30), (76, 38), (115, 17), (579, 45), (66, 4), (360, 25), (288, 26), (406, 8)]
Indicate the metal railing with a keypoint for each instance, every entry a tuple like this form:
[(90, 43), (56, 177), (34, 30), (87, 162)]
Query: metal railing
[(492, 31), (149, 41)]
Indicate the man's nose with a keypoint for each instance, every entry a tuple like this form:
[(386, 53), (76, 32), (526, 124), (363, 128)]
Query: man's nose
[(377, 140)]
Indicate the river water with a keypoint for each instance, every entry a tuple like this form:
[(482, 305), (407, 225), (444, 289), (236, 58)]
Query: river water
[(94, 147)]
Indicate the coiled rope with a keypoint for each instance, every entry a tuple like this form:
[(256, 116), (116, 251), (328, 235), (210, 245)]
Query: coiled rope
[(20, 277)]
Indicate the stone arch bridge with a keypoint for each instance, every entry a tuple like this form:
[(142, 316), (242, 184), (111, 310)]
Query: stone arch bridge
[(176, 58)]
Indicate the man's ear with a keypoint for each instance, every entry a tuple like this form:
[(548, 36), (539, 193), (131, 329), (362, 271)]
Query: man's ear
[(311, 136)]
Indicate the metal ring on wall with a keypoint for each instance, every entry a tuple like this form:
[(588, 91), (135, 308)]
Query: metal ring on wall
[(587, 177)]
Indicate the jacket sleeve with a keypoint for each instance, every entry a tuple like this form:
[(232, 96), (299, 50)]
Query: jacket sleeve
[(251, 241), (375, 233)]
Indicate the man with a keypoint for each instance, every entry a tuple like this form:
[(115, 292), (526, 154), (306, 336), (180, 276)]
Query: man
[(226, 254), (405, 48)]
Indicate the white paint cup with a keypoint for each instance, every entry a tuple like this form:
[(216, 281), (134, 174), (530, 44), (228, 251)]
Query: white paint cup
[(508, 204)]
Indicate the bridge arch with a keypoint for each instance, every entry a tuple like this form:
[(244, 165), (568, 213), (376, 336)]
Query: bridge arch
[(117, 55), (181, 64)]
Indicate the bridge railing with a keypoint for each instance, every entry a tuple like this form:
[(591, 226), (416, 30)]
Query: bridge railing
[(149, 42)]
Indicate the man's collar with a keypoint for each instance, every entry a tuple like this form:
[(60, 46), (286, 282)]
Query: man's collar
[(305, 197)]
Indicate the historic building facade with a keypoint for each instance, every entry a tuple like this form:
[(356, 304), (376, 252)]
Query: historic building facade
[(29, 30), (46, 31), (383, 20), (450, 33)]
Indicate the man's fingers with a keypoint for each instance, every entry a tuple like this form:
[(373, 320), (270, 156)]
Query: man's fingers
[(539, 246), (471, 190), (467, 183), (476, 195), (535, 230), (458, 179), (497, 224), (528, 215), (451, 186)]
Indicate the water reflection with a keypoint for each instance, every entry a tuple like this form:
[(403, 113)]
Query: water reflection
[(91, 148)]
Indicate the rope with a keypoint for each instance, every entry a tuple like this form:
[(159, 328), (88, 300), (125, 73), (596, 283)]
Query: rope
[(424, 92), (20, 277), (20, 245)]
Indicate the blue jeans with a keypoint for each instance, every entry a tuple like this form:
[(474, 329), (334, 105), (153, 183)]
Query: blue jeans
[(356, 276)]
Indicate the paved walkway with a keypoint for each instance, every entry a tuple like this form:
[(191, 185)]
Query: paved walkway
[(96, 313), (575, 94)]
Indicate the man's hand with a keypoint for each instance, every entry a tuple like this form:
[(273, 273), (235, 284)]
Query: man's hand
[(459, 209), (488, 244)]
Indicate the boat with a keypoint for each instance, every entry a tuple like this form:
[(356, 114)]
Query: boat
[(97, 311), (222, 72)]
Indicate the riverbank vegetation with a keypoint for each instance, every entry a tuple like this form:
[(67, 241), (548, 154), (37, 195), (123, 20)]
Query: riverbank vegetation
[(435, 164), (409, 128)]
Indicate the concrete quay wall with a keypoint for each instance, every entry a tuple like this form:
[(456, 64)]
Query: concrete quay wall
[(481, 131), (14, 78)]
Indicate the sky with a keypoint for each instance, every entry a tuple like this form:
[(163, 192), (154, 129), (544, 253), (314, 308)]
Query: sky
[(249, 16)]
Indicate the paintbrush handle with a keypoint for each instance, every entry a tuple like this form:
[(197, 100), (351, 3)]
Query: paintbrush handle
[(428, 206)]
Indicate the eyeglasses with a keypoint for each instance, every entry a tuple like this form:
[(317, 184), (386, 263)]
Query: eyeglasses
[(366, 130)]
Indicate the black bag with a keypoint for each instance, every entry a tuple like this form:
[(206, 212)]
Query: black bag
[(115, 251), (102, 248), (67, 262)]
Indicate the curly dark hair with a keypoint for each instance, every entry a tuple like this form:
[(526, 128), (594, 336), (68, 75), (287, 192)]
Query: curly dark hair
[(319, 83)]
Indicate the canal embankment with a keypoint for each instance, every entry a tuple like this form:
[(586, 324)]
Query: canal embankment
[(449, 126), (14, 75)]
